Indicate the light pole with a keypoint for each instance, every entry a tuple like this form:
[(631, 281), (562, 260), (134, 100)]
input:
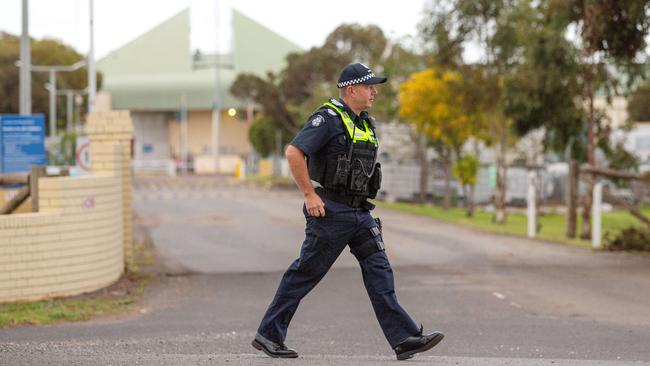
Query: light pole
[(92, 78), (216, 121), (217, 63), (52, 70), (71, 96), (25, 59), (25, 72), (183, 121)]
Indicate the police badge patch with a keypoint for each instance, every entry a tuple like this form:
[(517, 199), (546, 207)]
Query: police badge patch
[(316, 121)]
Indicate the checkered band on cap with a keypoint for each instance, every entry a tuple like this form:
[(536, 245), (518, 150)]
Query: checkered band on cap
[(356, 81)]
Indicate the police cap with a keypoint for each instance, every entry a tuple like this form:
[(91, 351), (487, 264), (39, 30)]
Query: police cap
[(358, 74)]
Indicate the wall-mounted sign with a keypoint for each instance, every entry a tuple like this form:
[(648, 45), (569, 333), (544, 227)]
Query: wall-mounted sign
[(22, 142)]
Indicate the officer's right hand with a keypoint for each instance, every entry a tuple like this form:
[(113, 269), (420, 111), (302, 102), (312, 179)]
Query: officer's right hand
[(314, 204)]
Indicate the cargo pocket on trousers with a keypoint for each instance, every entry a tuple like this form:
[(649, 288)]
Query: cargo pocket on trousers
[(309, 253)]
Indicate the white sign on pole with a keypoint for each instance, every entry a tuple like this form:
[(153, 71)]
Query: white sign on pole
[(82, 155)]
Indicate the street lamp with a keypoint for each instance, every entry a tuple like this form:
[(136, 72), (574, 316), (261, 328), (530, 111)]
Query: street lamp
[(92, 77), (52, 70), (25, 72), (25, 57), (215, 101), (217, 63)]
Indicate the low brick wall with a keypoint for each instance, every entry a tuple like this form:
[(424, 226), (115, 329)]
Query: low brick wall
[(81, 238), (73, 245)]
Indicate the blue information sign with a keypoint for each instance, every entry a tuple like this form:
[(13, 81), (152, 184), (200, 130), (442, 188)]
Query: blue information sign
[(22, 142)]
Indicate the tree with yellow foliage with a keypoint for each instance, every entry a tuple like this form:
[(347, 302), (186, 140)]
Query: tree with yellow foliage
[(434, 101)]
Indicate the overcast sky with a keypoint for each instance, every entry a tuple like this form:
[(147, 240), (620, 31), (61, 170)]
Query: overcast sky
[(117, 22)]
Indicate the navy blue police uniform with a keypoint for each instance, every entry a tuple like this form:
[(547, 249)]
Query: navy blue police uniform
[(346, 223)]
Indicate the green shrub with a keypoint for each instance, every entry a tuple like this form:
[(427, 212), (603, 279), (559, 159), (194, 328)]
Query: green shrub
[(261, 135), (632, 238)]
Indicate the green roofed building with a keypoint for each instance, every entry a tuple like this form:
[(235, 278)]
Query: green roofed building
[(158, 78)]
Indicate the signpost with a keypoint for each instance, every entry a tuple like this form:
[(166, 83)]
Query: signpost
[(82, 155), (22, 143)]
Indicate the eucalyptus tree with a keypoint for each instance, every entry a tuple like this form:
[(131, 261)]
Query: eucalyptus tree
[(612, 34), (287, 98), (448, 29)]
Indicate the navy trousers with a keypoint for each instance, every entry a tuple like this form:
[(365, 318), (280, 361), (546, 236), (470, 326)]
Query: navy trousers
[(325, 239)]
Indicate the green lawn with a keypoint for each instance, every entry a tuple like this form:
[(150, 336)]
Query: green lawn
[(270, 180), (552, 225), (74, 308)]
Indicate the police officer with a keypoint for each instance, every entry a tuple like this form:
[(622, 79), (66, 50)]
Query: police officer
[(333, 160)]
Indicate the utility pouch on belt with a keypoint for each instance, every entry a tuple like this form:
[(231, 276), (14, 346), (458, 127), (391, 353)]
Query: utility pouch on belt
[(358, 179), (342, 172), (375, 182)]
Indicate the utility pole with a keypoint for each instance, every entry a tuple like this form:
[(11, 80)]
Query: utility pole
[(92, 77), (25, 59)]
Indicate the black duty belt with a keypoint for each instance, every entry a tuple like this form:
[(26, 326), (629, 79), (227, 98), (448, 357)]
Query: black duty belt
[(352, 201)]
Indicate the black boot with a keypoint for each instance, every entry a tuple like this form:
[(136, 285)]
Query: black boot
[(416, 344), (275, 350)]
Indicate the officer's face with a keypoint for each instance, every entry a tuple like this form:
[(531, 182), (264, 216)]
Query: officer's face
[(364, 95)]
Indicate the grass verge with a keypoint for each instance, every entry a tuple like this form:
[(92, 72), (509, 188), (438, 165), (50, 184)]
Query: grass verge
[(552, 225), (271, 181), (120, 297)]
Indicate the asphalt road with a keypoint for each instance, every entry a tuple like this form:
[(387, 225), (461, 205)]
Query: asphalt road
[(499, 300)]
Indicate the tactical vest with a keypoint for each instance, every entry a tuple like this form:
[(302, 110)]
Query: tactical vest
[(350, 174)]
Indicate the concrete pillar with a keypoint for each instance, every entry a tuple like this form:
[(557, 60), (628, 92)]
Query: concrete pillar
[(110, 134)]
